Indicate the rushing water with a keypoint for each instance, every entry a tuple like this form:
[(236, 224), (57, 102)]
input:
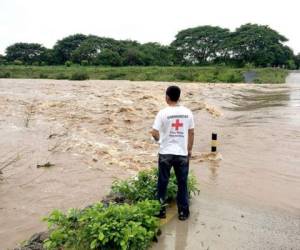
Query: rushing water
[(260, 143), (251, 198), (95, 131)]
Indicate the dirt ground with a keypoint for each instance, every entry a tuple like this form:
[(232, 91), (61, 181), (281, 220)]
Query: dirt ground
[(93, 132)]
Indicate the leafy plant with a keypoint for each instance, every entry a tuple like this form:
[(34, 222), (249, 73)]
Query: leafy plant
[(84, 63), (5, 75), (68, 63), (104, 227), (143, 186), (61, 76), (79, 76), (43, 76)]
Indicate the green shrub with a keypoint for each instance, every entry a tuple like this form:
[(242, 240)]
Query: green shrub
[(115, 75), (184, 76), (79, 76), (43, 76), (68, 63), (143, 186), (257, 80), (84, 62), (61, 76), (36, 64), (18, 62), (5, 75), (108, 226), (115, 226), (234, 78), (249, 66)]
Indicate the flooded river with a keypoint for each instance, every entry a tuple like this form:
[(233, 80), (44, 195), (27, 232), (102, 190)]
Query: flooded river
[(96, 131)]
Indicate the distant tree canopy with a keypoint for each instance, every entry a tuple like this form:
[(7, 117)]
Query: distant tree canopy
[(297, 61), (253, 44), (64, 48), (201, 45), (259, 45), (26, 53)]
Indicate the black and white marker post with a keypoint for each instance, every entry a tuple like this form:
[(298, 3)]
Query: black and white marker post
[(214, 142)]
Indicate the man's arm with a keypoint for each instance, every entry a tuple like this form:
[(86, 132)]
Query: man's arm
[(155, 134), (190, 141)]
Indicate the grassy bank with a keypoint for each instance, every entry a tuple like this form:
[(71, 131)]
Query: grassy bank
[(178, 74)]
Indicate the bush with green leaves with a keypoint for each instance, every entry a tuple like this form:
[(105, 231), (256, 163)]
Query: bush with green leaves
[(144, 186), (84, 62), (4, 74), (110, 227), (61, 76), (18, 62), (68, 63), (79, 76), (43, 76)]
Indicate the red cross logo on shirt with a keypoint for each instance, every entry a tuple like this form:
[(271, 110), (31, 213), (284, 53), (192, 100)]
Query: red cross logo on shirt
[(177, 125)]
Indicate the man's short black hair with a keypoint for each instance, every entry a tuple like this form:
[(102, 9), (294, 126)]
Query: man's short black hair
[(173, 92)]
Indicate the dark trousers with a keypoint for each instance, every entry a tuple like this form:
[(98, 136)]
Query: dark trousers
[(181, 169)]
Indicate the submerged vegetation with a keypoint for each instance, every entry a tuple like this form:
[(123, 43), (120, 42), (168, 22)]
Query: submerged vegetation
[(212, 74)]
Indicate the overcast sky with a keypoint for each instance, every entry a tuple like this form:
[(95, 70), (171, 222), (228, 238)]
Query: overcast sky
[(46, 21)]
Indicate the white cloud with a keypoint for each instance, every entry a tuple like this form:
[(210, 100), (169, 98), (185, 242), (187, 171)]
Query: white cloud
[(45, 21)]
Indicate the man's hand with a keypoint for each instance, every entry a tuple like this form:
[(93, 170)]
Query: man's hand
[(190, 141), (155, 134)]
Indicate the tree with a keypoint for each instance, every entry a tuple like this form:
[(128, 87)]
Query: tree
[(156, 54), (134, 57), (2, 59), (65, 47), (201, 45), (260, 45), (28, 53), (48, 57), (108, 57), (297, 61), (91, 48)]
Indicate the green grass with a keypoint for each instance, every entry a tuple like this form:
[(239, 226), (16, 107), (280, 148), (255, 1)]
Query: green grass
[(212, 74)]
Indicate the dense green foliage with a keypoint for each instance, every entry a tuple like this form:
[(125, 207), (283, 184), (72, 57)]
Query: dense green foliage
[(297, 61), (132, 225), (27, 53), (259, 45), (201, 45), (204, 45), (64, 48), (169, 74), (143, 186), (79, 76), (126, 227)]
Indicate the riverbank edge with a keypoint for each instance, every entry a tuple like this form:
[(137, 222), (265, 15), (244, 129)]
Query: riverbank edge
[(209, 74)]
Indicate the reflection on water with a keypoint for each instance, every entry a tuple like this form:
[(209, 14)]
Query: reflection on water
[(213, 167)]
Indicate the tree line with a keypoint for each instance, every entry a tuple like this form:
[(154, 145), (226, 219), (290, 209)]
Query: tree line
[(250, 44)]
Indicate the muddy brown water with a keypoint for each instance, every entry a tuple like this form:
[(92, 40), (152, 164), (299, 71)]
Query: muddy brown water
[(97, 131)]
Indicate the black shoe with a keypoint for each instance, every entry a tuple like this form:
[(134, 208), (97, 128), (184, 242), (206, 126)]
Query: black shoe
[(162, 213), (183, 216), (183, 213)]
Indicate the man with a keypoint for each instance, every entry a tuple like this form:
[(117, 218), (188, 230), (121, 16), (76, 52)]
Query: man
[(173, 128)]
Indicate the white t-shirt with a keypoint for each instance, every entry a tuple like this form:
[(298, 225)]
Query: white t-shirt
[(173, 124)]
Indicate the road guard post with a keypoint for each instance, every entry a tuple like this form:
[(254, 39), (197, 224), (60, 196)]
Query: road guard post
[(214, 142)]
